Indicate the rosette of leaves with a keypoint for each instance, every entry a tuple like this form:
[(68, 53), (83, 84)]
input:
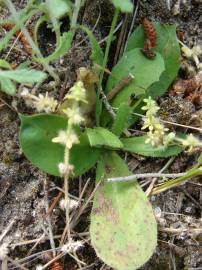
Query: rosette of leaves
[(123, 228)]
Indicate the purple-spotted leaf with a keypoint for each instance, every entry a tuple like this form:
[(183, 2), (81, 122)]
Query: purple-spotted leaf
[(123, 228)]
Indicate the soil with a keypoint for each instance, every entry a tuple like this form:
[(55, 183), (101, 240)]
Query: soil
[(22, 185)]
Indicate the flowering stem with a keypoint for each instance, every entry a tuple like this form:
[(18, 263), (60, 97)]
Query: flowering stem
[(66, 190)]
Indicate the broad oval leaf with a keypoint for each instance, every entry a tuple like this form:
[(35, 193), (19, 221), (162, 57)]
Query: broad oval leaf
[(123, 5), (138, 146), (123, 228), (168, 47), (36, 134), (145, 72), (101, 137)]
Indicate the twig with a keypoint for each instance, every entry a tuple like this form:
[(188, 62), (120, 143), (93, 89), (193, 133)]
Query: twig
[(85, 204), (171, 123), (132, 23), (121, 84), (54, 203), (80, 197), (107, 105), (197, 204), (7, 229), (53, 260), (17, 264), (168, 4), (179, 230), (121, 39), (36, 244), (115, 30), (28, 242), (93, 29), (144, 175), (8, 105), (50, 230), (4, 264), (149, 189)]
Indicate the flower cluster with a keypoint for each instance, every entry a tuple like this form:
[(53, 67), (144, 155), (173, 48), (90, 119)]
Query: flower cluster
[(40, 103), (158, 134), (193, 53), (68, 137), (190, 141), (156, 131)]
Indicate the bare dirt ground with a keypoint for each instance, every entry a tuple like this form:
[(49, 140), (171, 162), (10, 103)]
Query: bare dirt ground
[(22, 192)]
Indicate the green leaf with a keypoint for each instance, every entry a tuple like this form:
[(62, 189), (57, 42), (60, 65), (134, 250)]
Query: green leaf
[(36, 136), (24, 65), (23, 75), (99, 137), (7, 86), (4, 64), (123, 6), (168, 47), (145, 72), (97, 54), (137, 145), (200, 159), (57, 8), (122, 119), (63, 47), (123, 229)]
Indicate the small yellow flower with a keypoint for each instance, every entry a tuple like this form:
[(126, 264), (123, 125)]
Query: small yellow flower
[(74, 115), (187, 51), (190, 142), (67, 138), (40, 103), (150, 106), (77, 92), (157, 132), (45, 103), (65, 169)]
